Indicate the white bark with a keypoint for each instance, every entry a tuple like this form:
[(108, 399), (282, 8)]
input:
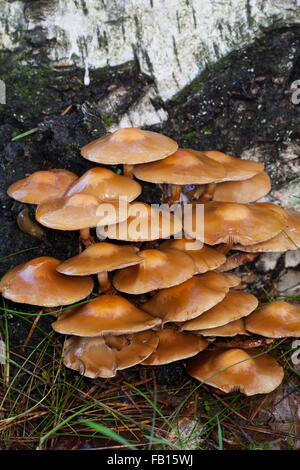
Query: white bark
[(173, 40)]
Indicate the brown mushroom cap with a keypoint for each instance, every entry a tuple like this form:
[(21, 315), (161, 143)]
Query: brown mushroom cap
[(234, 328), (90, 356), (104, 356), (288, 239), (107, 315), (250, 375), (277, 320), (182, 167), (105, 185), (41, 185), (173, 346), (236, 168), (158, 270), (144, 223), (38, 283), (234, 306), (245, 224), (232, 279), (129, 146), (245, 191), (100, 257), (205, 258), (141, 345), (189, 299), (79, 211)]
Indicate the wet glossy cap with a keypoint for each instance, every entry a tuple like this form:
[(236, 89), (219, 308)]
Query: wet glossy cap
[(245, 191), (105, 185), (100, 257), (288, 239), (232, 279), (189, 299), (129, 146), (236, 168), (277, 320), (41, 185), (173, 346), (234, 328), (107, 315), (79, 211), (182, 167), (38, 283), (234, 306), (158, 270), (246, 224), (236, 369), (104, 356), (205, 258), (144, 223)]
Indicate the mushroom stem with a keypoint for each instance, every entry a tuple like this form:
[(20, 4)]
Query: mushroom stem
[(85, 238), (200, 189), (208, 193), (164, 192), (104, 282), (175, 194), (127, 170)]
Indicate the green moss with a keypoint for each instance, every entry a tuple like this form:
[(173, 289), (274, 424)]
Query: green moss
[(190, 136), (108, 121), (197, 85), (207, 130)]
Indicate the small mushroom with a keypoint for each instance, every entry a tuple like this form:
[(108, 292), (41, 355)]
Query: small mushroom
[(41, 185), (236, 369), (277, 320), (245, 191), (234, 328), (144, 223), (234, 306), (188, 300), (236, 260), (236, 168), (29, 226), (181, 168), (100, 258), (159, 269), (129, 146), (245, 224), (204, 257), (38, 283), (287, 239), (104, 356), (80, 212), (105, 185), (106, 315), (174, 346)]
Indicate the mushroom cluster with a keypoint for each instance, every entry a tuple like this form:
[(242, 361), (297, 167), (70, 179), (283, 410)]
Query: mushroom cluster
[(159, 297)]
